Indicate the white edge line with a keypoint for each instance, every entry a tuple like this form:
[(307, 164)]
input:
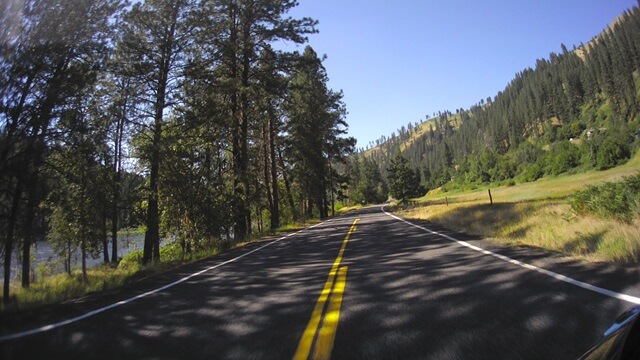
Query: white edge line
[(613, 294), (140, 296)]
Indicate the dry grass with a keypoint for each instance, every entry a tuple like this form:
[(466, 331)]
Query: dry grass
[(62, 287), (347, 209), (537, 214), (547, 224)]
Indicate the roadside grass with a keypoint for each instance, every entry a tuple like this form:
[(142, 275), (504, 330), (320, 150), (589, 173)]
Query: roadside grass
[(63, 287), (133, 231), (537, 214), (347, 209), (298, 225)]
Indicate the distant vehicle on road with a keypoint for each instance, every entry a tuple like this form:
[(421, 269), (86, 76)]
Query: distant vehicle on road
[(621, 341)]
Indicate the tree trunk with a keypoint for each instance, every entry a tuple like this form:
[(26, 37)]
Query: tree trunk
[(84, 256), (8, 245), (240, 224), (117, 163), (248, 218), (151, 250), (152, 236), (287, 187), (27, 241), (309, 210), (104, 234), (333, 200), (67, 264), (83, 226), (266, 170), (34, 159), (259, 218), (321, 203), (114, 234), (275, 208), (244, 124), (239, 181)]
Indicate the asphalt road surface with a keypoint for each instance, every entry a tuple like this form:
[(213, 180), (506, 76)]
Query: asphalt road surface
[(362, 286)]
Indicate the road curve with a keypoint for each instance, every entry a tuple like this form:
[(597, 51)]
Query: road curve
[(398, 292)]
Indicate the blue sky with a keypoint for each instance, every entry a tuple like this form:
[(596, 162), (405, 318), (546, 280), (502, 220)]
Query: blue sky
[(399, 60)]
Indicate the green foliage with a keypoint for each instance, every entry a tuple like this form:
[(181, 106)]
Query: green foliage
[(51, 59), (78, 194), (504, 169), (131, 261), (575, 111), (612, 200), (533, 172), (174, 115), (172, 252), (366, 183), (404, 182), (315, 129), (564, 156), (527, 153), (611, 153)]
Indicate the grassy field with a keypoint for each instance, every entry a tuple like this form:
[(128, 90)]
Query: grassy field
[(537, 214)]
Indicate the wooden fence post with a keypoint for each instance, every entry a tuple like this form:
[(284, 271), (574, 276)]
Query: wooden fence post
[(490, 198)]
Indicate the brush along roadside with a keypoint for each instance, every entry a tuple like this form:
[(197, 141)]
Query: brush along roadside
[(546, 224)]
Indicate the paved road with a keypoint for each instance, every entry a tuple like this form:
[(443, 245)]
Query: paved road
[(388, 290)]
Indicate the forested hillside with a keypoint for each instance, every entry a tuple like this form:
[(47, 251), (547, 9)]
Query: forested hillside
[(576, 110), (174, 115)]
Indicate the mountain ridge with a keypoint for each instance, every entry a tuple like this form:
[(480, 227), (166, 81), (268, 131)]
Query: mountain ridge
[(560, 99)]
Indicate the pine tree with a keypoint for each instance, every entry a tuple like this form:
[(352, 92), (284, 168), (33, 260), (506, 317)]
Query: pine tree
[(404, 182), (316, 124), (155, 37), (241, 30), (52, 54), (77, 200)]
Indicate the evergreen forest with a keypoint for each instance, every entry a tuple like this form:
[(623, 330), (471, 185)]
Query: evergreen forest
[(576, 110), (178, 116)]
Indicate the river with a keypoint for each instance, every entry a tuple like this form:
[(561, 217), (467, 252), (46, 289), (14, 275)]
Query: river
[(44, 254)]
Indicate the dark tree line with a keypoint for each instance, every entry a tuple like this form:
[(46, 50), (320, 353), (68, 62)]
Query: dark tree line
[(577, 110), (175, 115), (366, 183)]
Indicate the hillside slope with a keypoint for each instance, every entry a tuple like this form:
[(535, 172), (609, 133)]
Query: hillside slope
[(575, 111)]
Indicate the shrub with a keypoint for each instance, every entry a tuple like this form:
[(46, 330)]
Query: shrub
[(565, 157), (172, 251), (533, 172), (632, 184), (504, 169), (131, 261), (610, 153), (618, 200)]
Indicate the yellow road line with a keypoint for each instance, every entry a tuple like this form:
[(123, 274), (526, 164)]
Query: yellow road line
[(309, 334), (327, 334)]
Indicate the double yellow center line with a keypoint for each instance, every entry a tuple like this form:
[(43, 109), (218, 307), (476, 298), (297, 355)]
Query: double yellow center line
[(321, 330)]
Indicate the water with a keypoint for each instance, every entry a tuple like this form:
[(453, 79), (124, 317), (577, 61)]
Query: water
[(44, 254)]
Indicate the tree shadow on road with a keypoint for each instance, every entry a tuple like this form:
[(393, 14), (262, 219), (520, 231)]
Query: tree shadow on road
[(409, 295), (422, 296)]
